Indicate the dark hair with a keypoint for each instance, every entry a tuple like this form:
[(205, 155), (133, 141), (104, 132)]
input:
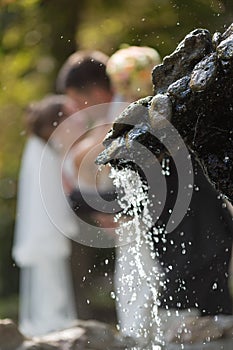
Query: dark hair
[(84, 70), (44, 116)]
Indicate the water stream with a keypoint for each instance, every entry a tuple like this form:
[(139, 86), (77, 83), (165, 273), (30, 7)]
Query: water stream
[(135, 222)]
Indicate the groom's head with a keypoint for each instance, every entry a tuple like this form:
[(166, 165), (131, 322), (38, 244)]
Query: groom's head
[(83, 77)]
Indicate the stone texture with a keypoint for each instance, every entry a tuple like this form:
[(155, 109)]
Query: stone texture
[(195, 85), (10, 337), (194, 334), (85, 335), (194, 330), (69, 339)]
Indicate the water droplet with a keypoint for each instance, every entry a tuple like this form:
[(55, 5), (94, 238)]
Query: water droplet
[(113, 295), (22, 133), (215, 286)]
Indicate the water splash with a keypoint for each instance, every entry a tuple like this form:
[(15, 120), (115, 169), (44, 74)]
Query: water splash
[(135, 223)]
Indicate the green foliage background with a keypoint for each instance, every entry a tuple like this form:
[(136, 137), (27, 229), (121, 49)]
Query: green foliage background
[(35, 38)]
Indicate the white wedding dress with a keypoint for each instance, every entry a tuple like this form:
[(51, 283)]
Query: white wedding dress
[(40, 249)]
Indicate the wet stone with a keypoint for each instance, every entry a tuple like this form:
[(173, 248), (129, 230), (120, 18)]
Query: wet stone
[(85, 335), (10, 336), (228, 32), (204, 73), (193, 90), (217, 37), (180, 89), (181, 62), (225, 49), (135, 113)]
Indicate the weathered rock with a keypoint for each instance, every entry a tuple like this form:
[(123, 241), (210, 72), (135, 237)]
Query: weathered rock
[(37, 345), (195, 333), (10, 336), (70, 339), (194, 330), (94, 335), (195, 86), (195, 46), (135, 113), (204, 73), (160, 108), (85, 335), (98, 334)]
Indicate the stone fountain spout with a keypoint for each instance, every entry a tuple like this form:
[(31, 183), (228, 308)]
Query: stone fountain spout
[(193, 90)]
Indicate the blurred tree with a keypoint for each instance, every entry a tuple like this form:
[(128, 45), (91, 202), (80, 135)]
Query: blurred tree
[(19, 56), (157, 23), (62, 18)]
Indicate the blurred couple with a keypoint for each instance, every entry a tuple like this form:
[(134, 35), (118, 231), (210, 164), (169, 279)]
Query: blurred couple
[(40, 250)]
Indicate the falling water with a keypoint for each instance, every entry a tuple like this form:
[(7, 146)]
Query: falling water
[(135, 207)]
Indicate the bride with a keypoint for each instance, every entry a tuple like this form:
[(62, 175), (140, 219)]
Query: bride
[(40, 250)]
